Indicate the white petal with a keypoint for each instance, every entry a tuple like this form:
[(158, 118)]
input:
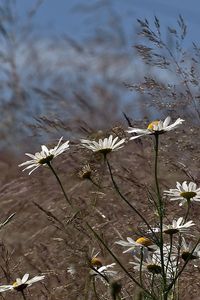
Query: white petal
[(166, 121), (25, 278), (45, 150), (35, 279), (4, 288)]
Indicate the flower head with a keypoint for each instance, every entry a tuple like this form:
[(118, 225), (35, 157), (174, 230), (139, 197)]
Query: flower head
[(96, 262), (177, 226), (136, 246), (21, 284), (184, 192), (103, 146), (187, 251), (155, 127), (85, 172), (44, 157), (152, 264)]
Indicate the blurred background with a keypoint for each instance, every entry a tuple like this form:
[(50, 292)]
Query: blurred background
[(72, 67)]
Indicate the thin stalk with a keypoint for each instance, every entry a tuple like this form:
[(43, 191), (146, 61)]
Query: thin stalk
[(160, 211), (129, 204), (141, 263), (184, 78), (119, 263), (182, 269), (93, 182), (188, 209), (170, 251), (23, 295), (100, 274), (152, 283), (59, 182)]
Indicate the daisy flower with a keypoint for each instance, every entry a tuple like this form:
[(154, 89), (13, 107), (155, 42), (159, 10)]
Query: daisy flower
[(44, 157), (136, 246), (184, 192), (186, 250), (155, 127), (177, 226), (152, 264), (103, 146), (85, 172), (21, 284), (96, 262)]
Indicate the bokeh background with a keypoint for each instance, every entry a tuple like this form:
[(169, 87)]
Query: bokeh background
[(66, 63)]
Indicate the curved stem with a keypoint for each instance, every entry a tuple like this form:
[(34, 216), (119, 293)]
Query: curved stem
[(59, 182), (100, 274), (129, 204), (182, 269)]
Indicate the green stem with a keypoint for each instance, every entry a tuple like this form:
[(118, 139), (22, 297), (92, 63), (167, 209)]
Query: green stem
[(182, 269), (100, 274), (141, 263), (160, 212), (23, 295), (170, 252), (59, 182), (129, 204), (152, 283), (188, 209)]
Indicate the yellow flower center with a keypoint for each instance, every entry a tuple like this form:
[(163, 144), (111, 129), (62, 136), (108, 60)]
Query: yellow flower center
[(152, 124), (96, 262), (155, 269), (144, 241), (15, 284), (188, 195)]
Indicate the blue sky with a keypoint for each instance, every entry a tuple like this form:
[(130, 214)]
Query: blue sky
[(66, 17)]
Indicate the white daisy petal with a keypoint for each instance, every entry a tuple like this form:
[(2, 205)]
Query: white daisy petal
[(185, 192), (25, 278), (44, 157), (35, 279), (104, 146), (155, 127), (4, 288), (21, 284)]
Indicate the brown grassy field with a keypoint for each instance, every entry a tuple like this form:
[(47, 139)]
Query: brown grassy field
[(46, 237)]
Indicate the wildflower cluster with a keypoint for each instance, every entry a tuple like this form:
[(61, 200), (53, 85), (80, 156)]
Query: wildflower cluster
[(159, 257)]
